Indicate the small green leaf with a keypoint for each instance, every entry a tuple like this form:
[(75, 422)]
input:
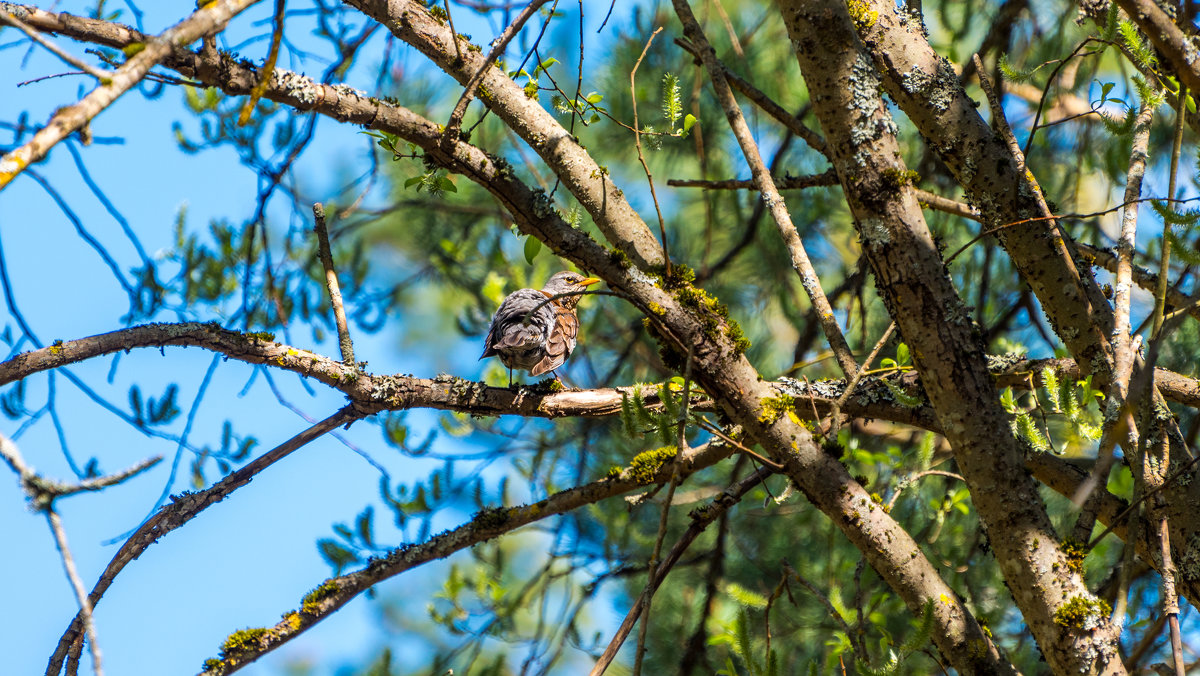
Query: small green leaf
[(415, 180), (533, 246), (689, 121), (902, 354), (594, 97), (1008, 400)]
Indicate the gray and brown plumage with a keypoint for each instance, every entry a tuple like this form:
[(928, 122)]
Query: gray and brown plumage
[(536, 330)]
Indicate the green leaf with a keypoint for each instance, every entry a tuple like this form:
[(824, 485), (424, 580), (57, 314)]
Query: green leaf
[(1008, 400), (533, 246), (689, 121), (902, 354), (1141, 54), (594, 98), (336, 555)]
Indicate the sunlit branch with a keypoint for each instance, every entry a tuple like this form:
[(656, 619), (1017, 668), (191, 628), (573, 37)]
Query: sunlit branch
[(490, 523), (210, 18)]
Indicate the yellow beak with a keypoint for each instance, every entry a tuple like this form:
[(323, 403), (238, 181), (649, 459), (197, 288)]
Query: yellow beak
[(589, 281)]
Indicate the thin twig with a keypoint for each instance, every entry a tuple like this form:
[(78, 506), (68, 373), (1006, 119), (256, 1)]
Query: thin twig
[(98, 73), (1169, 596), (453, 126), (759, 98), (733, 38), (331, 282), (717, 431), (1164, 264), (268, 68), (911, 480), (1121, 426), (1037, 117), (835, 413), (701, 520), (81, 596), (68, 120), (42, 493), (1058, 217), (637, 142), (1134, 505), (830, 609), (450, 20), (187, 507), (770, 194), (651, 582)]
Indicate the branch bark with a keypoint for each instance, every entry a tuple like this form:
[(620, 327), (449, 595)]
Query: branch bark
[(925, 86), (947, 351)]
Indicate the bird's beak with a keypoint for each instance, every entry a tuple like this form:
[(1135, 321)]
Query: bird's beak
[(589, 281)]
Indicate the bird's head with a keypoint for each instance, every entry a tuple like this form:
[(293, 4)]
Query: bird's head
[(568, 282)]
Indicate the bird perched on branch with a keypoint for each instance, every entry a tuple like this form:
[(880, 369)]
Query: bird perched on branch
[(535, 330)]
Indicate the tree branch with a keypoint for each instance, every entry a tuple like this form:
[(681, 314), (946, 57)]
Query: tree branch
[(770, 195), (209, 19), (489, 523), (186, 507)]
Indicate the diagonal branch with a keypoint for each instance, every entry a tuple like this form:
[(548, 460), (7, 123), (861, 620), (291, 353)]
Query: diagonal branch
[(1119, 424), (501, 43), (765, 184), (947, 351), (411, 22), (210, 18), (99, 73), (701, 520), (489, 523), (184, 509)]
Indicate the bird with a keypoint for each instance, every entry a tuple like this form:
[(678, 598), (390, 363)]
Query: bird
[(535, 330)]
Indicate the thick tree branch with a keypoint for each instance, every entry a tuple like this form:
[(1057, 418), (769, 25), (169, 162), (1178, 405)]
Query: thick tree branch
[(1168, 38), (925, 86), (871, 398), (948, 354), (580, 174)]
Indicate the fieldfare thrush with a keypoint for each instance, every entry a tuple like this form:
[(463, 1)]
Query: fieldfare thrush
[(536, 330)]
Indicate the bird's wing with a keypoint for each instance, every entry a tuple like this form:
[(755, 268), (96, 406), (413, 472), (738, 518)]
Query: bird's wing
[(509, 330)]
